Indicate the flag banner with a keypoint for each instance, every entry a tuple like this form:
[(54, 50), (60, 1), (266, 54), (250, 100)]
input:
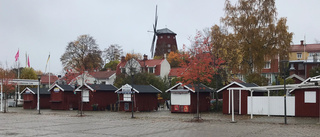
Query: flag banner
[(48, 58), (28, 62), (17, 56), (47, 63)]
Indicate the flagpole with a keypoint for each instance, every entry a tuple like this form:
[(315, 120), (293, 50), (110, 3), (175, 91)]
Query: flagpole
[(1, 96), (49, 70), (18, 92)]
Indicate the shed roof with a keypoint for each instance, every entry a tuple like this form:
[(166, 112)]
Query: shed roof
[(242, 85), (99, 87), (140, 89), (42, 91), (202, 88), (62, 87)]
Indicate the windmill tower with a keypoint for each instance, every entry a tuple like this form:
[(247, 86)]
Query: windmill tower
[(166, 40)]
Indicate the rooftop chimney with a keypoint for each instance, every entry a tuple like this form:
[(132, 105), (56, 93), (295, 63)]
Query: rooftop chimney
[(123, 59), (145, 57), (301, 41)]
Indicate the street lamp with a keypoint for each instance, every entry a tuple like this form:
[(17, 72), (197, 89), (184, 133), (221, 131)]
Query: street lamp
[(284, 75), (38, 96), (132, 72)]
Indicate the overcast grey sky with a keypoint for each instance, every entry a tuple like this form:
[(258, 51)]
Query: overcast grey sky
[(38, 27)]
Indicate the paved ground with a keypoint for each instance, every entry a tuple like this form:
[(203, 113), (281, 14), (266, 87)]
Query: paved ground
[(27, 123)]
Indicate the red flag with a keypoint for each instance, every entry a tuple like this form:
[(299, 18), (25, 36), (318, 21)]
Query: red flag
[(17, 55), (28, 62)]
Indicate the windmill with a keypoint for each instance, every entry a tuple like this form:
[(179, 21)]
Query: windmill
[(154, 32), (166, 40)]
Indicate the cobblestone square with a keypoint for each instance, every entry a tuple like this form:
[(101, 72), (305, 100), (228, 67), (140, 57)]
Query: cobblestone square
[(50, 123)]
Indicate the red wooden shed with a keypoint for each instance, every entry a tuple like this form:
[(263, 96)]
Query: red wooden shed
[(307, 100), (30, 98), (184, 98), (63, 97), (144, 97), (98, 96), (240, 97)]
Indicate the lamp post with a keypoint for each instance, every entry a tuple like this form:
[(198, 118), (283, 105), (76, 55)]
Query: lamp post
[(284, 70), (132, 92), (38, 96)]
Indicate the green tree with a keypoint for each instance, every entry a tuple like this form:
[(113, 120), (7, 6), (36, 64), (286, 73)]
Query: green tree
[(28, 73), (256, 32), (111, 65), (257, 79), (314, 72)]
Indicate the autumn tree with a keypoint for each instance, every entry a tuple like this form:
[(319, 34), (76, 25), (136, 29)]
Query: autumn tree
[(174, 59), (256, 33), (198, 64), (6, 76), (112, 53), (82, 54), (136, 56)]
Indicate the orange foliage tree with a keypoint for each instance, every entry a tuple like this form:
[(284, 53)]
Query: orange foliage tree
[(198, 63), (174, 58), (136, 56), (7, 87)]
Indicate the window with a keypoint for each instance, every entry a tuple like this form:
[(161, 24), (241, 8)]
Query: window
[(300, 67), (268, 76), (126, 97), (168, 37), (85, 96), (299, 55), (240, 77), (310, 97), (151, 69), (123, 70), (267, 65), (311, 54), (169, 45), (169, 50)]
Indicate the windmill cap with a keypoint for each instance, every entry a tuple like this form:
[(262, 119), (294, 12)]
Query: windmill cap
[(165, 31)]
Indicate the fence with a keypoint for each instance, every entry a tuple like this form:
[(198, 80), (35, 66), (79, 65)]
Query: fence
[(273, 105)]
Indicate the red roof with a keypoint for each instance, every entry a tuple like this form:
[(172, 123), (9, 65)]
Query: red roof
[(143, 63), (174, 72), (307, 48), (237, 80), (45, 79), (102, 74)]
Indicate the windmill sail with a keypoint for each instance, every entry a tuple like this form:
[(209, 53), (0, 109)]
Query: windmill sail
[(154, 32)]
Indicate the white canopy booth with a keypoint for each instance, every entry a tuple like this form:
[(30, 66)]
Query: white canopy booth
[(271, 105), (24, 82)]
